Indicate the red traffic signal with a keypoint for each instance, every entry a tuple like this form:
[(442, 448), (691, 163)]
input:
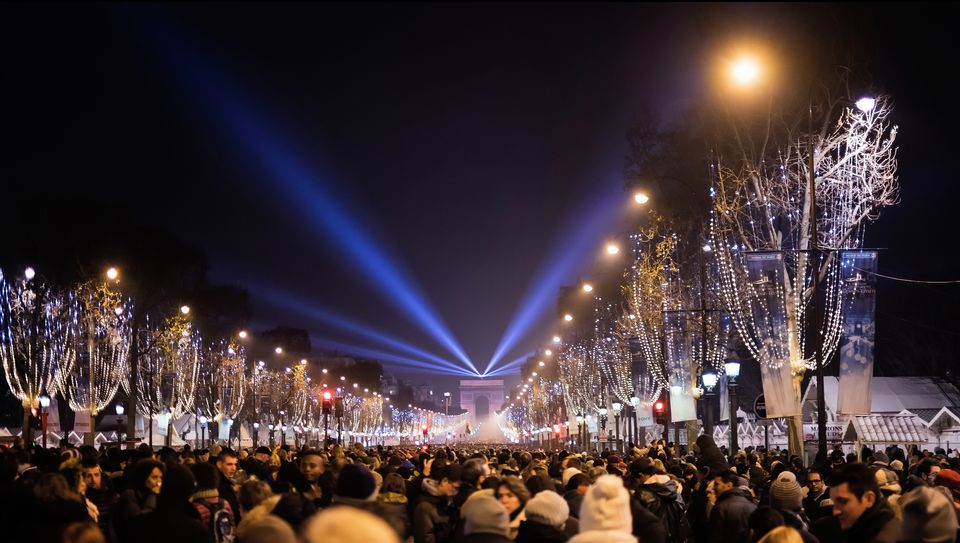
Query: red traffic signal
[(327, 395), (658, 406), (327, 403)]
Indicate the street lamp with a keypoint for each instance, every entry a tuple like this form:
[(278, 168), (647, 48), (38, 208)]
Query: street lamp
[(271, 427), (587, 287), (709, 379), (119, 410), (446, 403), (612, 249), (617, 406), (256, 433), (44, 404), (603, 422), (112, 274), (640, 198), (580, 429), (568, 317), (732, 368), (203, 430)]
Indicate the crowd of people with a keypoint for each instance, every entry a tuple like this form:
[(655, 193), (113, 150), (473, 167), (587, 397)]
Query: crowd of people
[(474, 494)]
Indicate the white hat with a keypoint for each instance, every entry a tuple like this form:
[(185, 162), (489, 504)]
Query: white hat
[(567, 474), (606, 506), (548, 508)]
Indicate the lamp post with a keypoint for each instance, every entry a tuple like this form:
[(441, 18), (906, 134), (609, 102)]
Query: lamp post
[(603, 425), (270, 427), (732, 368), (580, 429), (44, 404), (617, 406), (120, 412), (283, 429), (256, 434), (203, 430), (446, 403), (709, 379)]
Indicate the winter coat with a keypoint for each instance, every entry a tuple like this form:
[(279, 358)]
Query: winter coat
[(814, 508), (574, 499), (659, 495), (131, 504), (799, 522), (710, 455), (434, 517), (515, 523), (647, 526), (603, 536), (225, 491), (394, 506), (531, 532), (483, 538), (182, 519), (876, 525), (730, 516)]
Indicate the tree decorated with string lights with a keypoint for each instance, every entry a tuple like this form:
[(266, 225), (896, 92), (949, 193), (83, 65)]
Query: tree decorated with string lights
[(762, 202), (38, 327), (103, 347), (221, 394)]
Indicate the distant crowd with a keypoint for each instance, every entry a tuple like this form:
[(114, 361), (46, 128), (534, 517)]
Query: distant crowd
[(475, 494)]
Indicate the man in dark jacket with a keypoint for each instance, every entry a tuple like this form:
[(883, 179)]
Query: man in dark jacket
[(860, 514), (814, 504), (729, 519), (227, 464), (576, 488), (660, 495), (435, 516)]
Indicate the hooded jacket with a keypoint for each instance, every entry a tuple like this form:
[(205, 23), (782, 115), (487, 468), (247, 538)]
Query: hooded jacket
[(434, 517), (729, 519)]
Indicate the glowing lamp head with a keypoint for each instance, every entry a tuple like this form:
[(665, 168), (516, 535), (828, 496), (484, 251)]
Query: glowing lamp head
[(732, 368), (579, 418), (243, 334), (556, 339), (44, 400), (541, 364), (709, 380), (256, 425), (745, 71), (303, 362), (617, 406), (327, 395), (866, 104), (118, 310), (612, 249), (548, 352), (29, 273), (640, 198), (185, 309), (634, 400), (278, 350), (707, 248), (202, 419), (112, 274), (603, 411), (587, 287), (120, 410), (324, 370), (568, 317)]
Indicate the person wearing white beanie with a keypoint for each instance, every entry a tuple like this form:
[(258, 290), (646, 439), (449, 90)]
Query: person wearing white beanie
[(547, 514), (567, 474), (605, 513)]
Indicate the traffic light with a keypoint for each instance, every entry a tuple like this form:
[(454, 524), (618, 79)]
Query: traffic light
[(327, 402), (659, 413), (338, 407)]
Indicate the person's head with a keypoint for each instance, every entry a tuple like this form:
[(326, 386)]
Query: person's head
[(252, 493), (483, 515), (815, 481), (450, 478), (393, 483), (782, 534), (928, 515), (762, 520), (347, 525), (579, 482), (312, 465), (724, 481), (51, 487), (853, 490), (262, 454), (178, 485), (92, 473), (147, 476), (75, 480), (227, 463), (207, 476), (474, 471), (927, 469), (512, 494), (356, 482), (606, 507), (82, 532), (785, 493), (548, 508), (268, 529)]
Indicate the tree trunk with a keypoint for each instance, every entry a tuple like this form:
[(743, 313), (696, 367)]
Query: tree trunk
[(132, 396), (26, 432)]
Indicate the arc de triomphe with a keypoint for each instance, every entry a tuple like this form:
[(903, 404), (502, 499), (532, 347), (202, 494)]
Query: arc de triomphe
[(481, 397)]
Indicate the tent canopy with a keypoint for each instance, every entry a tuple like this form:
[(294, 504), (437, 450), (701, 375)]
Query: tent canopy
[(906, 429)]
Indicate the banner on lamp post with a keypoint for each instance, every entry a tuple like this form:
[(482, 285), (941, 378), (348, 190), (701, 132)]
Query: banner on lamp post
[(81, 422), (644, 414), (765, 273), (224, 429), (683, 407), (859, 296)]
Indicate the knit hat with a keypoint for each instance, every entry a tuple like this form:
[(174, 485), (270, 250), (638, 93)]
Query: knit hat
[(887, 481), (263, 450), (567, 474), (484, 515), (928, 516), (356, 482), (785, 493), (948, 478), (348, 525), (880, 457), (896, 465), (548, 508), (606, 506)]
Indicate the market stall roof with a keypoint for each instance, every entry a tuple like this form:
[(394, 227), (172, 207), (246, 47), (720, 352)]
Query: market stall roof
[(905, 429), (947, 417), (889, 395)]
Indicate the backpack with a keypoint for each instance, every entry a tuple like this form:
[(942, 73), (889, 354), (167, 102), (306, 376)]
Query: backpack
[(675, 519), (220, 523)]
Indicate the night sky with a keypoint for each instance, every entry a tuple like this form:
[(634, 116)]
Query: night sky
[(469, 143)]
